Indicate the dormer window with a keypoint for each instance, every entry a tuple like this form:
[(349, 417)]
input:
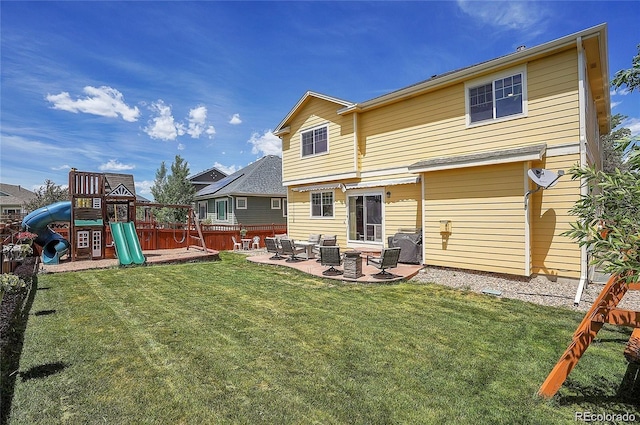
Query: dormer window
[(314, 141)]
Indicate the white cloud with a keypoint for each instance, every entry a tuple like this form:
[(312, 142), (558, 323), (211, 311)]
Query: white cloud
[(632, 124), (103, 101), (197, 120), (266, 144), (144, 187), (508, 14), (228, 170), (62, 167), (235, 119), (621, 91), (115, 165), (614, 104), (163, 126), (181, 147)]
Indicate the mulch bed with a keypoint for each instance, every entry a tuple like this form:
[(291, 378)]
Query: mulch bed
[(14, 311)]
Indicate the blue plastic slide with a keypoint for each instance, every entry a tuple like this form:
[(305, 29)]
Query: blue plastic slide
[(127, 243), (53, 244)]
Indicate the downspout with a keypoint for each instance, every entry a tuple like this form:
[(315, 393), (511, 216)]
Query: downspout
[(584, 266), (424, 231), (527, 226)]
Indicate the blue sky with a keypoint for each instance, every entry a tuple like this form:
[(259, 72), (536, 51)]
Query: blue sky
[(123, 86)]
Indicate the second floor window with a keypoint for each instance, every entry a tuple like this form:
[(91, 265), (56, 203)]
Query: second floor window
[(496, 99), (314, 141)]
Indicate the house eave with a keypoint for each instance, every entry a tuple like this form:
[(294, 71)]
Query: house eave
[(503, 156), (515, 58)]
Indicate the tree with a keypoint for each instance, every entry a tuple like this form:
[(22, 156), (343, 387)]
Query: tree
[(174, 188), (48, 194), (612, 155), (160, 184), (608, 216), (631, 79)]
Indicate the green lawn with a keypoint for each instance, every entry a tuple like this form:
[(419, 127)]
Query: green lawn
[(236, 342)]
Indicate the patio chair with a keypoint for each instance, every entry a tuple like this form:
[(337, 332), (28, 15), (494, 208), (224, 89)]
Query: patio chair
[(330, 256), (325, 241), (388, 259), (256, 242), (272, 247), (289, 248), (315, 238), (236, 244)]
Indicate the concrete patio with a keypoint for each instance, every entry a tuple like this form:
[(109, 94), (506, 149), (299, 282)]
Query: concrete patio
[(313, 267)]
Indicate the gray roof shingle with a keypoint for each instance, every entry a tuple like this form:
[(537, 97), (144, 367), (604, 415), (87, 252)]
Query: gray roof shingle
[(261, 178)]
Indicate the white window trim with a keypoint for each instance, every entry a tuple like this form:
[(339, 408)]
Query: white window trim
[(367, 192), (313, 129), (276, 203), (83, 239), (238, 206), (322, 217), (226, 207), (490, 79)]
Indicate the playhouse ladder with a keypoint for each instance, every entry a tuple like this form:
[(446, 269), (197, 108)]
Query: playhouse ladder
[(604, 310), (200, 237)]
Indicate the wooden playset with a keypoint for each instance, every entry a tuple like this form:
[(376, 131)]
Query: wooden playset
[(604, 310)]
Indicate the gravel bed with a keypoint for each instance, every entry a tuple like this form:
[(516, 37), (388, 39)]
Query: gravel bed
[(538, 290)]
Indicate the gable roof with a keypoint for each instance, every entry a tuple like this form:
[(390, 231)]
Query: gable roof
[(119, 185), (592, 41), (282, 127), (14, 195), (209, 175), (261, 178)]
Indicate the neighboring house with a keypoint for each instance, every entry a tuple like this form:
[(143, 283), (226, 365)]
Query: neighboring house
[(252, 195), (206, 177), (452, 153), (12, 200)]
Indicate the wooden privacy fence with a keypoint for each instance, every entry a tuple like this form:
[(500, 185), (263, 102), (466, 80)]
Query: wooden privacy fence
[(154, 235)]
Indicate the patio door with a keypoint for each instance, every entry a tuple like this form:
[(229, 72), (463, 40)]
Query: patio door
[(365, 217)]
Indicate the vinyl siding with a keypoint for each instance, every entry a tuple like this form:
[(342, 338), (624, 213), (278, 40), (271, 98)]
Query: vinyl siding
[(551, 253), (434, 125), (259, 212), (340, 159), (300, 224), (485, 206), (402, 209)]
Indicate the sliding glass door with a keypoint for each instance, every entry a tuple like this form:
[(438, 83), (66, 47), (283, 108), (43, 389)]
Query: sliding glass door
[(365, 217)]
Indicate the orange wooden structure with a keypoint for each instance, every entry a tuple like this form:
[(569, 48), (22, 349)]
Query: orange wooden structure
[(604, 310)]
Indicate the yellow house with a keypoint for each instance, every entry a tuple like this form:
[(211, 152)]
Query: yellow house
[(451, 155)]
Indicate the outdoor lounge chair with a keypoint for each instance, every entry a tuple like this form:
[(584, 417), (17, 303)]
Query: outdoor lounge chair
[(289, 248), (272, 247), (325, 241), (330, 256), (388, 259)]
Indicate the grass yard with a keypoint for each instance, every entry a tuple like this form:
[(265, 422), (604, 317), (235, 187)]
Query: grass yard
[(240, 343)]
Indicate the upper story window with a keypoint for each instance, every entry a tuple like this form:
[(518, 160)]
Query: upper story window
[(322, 204), (496, 99), (314, 141)]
